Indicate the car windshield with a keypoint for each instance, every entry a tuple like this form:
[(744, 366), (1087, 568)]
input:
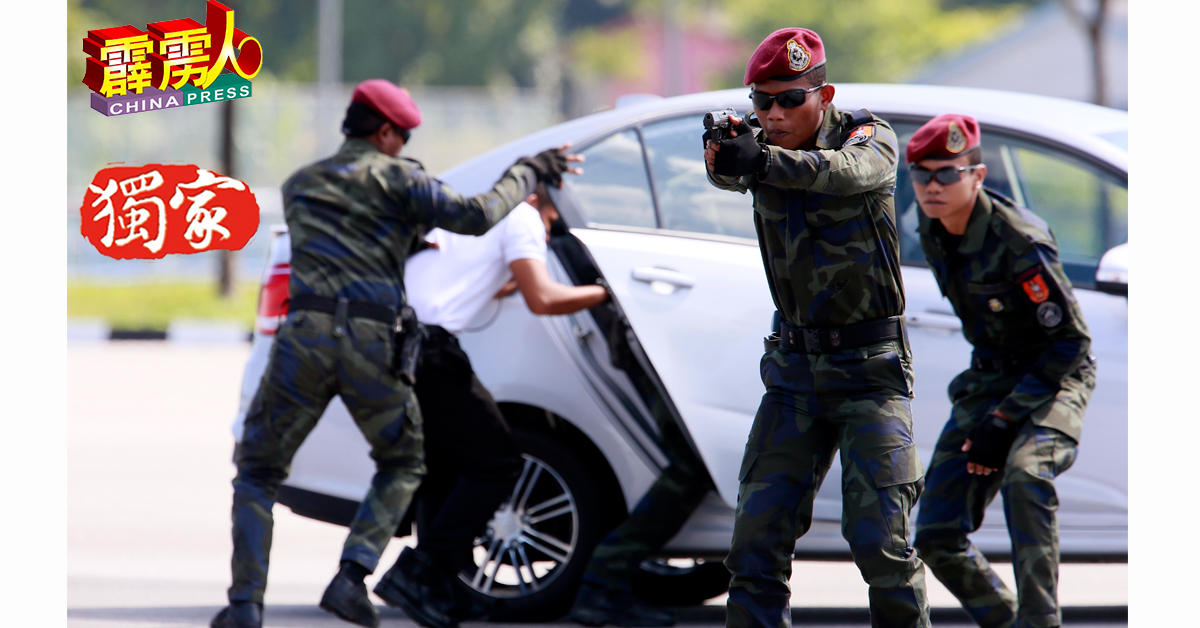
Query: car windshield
[(1117, 138)]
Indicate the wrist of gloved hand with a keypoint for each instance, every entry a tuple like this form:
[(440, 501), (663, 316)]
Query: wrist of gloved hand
[(741, 155), (991, 441)]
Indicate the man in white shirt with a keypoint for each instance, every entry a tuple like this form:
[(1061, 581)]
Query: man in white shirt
[(472, 459)]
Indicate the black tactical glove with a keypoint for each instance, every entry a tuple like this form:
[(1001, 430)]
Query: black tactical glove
[(991, 440), (741, 155), (548, 164)]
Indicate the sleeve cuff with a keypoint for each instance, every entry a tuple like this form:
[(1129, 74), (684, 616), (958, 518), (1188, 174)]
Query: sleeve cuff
[(1015, 411)]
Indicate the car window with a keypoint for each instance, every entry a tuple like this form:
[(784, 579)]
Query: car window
[(686, 200), (1085, 206), (1087, 209), (614, 188)]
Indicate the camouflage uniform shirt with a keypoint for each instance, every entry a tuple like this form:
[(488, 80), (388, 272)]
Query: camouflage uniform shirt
[(1008, 287), (355, 217), (826, 224)]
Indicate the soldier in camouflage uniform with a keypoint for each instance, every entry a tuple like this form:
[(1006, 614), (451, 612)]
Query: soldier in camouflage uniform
[(353, 219), (839, 376), (1018, 410)]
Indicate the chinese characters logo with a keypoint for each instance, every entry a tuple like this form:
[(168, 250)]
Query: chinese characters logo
[(172, 64), (147, 212)]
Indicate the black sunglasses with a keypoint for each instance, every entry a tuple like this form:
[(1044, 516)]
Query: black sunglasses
[(945, 176), (787, 100)]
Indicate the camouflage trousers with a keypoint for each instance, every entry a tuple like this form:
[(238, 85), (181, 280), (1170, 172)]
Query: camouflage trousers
[(656, 518), (308, 366), (954, 502), (856, 403)]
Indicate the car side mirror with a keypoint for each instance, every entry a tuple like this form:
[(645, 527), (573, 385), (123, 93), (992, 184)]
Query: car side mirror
[(1112, 276)]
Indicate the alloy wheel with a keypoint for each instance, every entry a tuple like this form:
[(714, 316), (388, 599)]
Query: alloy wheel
[(531, 537)]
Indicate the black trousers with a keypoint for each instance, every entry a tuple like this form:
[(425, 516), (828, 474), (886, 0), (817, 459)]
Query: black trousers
[(472, 460)]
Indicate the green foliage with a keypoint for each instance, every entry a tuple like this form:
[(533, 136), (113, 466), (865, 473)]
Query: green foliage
[(155, 305), (522, 42), (872, 40), (611, 55), (451, 42)]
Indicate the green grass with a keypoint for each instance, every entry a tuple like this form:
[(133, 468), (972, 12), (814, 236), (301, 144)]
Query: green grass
[(155, 305)]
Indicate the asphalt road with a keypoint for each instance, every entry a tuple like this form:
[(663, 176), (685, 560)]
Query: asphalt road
[(149, 496)]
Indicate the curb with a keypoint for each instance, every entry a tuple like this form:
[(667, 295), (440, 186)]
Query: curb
[(181, 331)]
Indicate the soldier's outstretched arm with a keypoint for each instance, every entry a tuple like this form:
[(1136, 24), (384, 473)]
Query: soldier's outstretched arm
[(1039, 273), (867, 165), (434, 203)]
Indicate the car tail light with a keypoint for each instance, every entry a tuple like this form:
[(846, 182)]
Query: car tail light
[(273, 299)]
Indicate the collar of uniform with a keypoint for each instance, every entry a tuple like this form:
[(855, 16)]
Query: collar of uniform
[(830, 135), (356, 146), (978, 225)]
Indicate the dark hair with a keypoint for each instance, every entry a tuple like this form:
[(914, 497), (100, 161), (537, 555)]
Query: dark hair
[(361, 121), (975, 155), (815, 76)]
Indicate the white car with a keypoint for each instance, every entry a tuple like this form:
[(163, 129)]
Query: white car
[(692, 309)]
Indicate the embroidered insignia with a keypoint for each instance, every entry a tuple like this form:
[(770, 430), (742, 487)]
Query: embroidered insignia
[(861, 135), (995, 305), (1036, 289), (955, 140), (798, 57), (1049, 314)]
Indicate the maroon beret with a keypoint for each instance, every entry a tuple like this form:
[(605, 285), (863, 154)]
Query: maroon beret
[(389, 101), (785, 55), (944, 137)]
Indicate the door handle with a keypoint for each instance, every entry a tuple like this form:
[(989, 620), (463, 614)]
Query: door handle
[(651, 274)]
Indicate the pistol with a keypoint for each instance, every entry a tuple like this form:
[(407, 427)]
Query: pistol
[(409, 335), (717, 123)]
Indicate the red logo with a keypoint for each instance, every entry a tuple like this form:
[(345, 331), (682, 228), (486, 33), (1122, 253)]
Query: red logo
[(1036, 289), (149, 211), (171, 64)]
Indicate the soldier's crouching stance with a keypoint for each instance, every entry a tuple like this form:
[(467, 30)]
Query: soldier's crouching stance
[(1018, 410), (839, 378), (353, 219)]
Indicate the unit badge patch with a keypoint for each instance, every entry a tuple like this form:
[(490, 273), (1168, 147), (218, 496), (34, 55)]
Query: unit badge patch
[(995, 305), (956, 141), (1036, 288), (1049, 314), (861, 135), (798, 57)]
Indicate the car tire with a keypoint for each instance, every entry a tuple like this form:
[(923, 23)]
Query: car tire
[(658, 582), (550, 533)]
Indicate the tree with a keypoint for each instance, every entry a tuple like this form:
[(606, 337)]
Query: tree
[(1093, 22), (873, 40)]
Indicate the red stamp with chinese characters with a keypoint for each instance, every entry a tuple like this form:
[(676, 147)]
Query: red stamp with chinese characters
[(149, 211)]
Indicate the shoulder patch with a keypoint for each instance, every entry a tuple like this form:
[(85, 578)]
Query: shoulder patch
[(861, 135), (1049, 314), (1034, 285)]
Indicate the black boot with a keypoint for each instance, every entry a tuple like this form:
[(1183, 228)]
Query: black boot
[(239, 615), (418, 587), (346, 596), (597, 606)]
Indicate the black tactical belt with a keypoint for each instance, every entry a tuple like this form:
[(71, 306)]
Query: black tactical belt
[(354, 309), (833, 339)]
